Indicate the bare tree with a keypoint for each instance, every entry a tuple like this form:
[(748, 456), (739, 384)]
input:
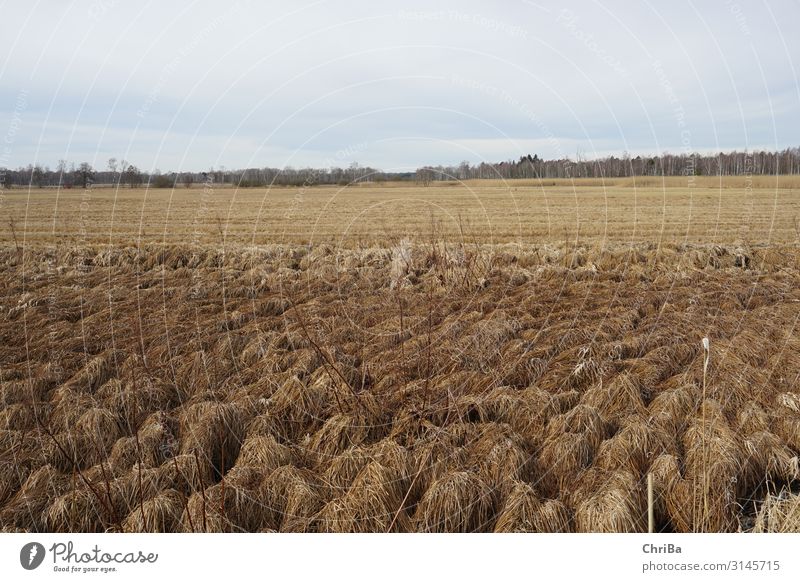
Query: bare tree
[(61, 168), (85, 174), (426, 175), (133, 176), (112, 167), (37, 176)]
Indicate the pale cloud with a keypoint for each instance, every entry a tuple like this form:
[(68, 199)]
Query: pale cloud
[(191, 85)]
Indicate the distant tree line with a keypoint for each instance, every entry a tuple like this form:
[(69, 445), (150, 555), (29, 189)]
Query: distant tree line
[(123, 174), (694, 164)]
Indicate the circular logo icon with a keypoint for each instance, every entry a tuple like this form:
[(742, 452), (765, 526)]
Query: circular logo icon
[(31, 555)]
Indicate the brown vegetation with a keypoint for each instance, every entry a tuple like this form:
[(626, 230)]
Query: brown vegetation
[(496, 387)]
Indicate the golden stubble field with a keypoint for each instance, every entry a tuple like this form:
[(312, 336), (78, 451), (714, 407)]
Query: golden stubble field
[(618, 211), (187, 361)]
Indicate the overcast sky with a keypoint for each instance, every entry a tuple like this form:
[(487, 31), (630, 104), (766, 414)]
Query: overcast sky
[(190, 85)]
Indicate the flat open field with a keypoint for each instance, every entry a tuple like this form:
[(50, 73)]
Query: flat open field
[(396, 374), (620, 211)]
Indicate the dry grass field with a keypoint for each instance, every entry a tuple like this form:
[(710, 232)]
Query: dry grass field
[(479, 357), (584, 211)]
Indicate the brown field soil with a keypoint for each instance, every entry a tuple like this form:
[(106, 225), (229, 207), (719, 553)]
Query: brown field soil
[(405, 380)]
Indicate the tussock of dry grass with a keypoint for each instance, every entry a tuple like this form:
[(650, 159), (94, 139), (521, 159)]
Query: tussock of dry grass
[(232, 505), (291, 498), (779, 513), (214, 431), (263, 452), (610, 502), (78, 510), (458, 502), (635, 445), (161, 513), (619, 397), (373, 503), (520, 512)]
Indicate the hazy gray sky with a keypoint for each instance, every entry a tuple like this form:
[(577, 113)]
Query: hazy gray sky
[(189, 85)]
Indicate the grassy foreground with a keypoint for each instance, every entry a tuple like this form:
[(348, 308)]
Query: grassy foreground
[(425, 386)]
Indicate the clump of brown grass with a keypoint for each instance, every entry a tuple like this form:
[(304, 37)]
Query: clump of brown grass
[(124, 455), (521, 510), (100, 422), (12, 476), (671, 410), (526, 411), (339, 433), (433, 458), (263, 452), (582, 419), (232, 505), (291, 497), (610, 502), (28, 508), (96, 372), (214, 431), (779, 514), (267, 424), (633, 447), (572, 442), (69, 404), (341, 471), (374, 503), (619, 397), (392, 455), (301, 405), (73, 450), (137, 486), (787, 427), (457, 502), (78, 510), (561, 459), (500, 456), (752, 418), (17, 416), (155, 439), (768, 459), (187, 473), (715, 464), (161, 513), (554, 517), (586, 372), (133, 403)]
